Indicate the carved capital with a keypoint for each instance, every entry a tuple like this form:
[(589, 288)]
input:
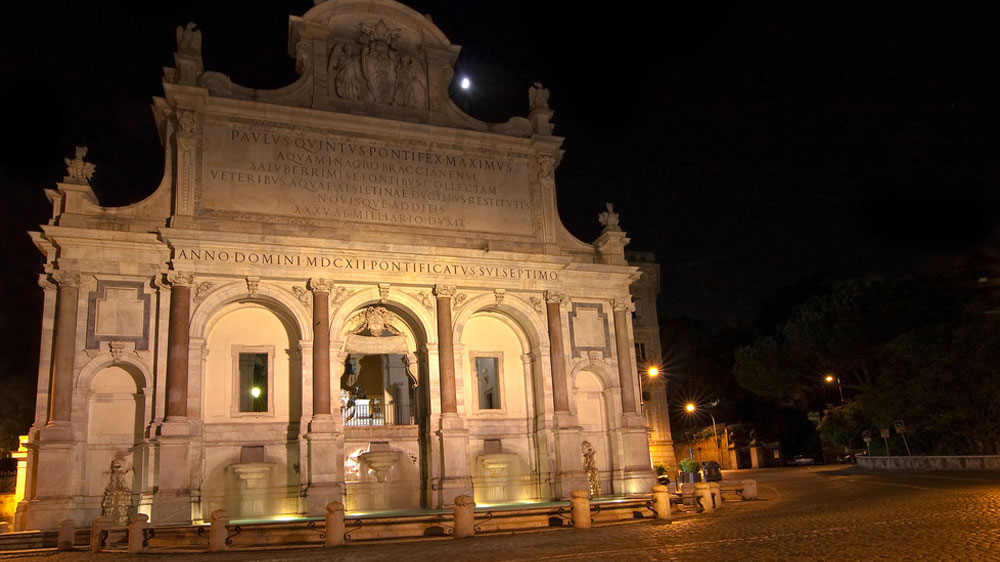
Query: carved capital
[(67, 278), (320, 285), (446, 291), (181, 278), (621, 303), (46, 282), (555, 296)]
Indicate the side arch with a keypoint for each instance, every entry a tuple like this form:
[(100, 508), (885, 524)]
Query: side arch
[(528, 320), (426, 328), (282, 302), (140, 371)]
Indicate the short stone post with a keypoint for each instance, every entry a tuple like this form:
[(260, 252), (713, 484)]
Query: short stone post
[(334, 524), (703, 491), (137, 525), (661, 502), (465, 517), (218, 533), (749, 489), (580, 509), (97, 528), (717, 492), (4, 527), (67, 534)]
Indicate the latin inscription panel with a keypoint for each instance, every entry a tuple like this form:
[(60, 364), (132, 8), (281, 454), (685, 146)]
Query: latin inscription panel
[(271, 174)]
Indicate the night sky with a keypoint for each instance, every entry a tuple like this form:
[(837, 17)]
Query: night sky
[(748, 147)]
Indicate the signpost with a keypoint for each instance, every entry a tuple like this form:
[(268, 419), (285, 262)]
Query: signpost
[(885, 438), (901, 430), (867, 436)]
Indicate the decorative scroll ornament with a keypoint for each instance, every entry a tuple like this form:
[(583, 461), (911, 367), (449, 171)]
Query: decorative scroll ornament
[(595, 355), (609, 219), (77, 170), (383, 292), (303, 294), (341, 294), (202, 290), (425, 300), (253, 285), (499, 294), (458, 301), (376, 320)]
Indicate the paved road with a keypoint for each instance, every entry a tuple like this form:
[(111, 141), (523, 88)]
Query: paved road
[(810, 513)]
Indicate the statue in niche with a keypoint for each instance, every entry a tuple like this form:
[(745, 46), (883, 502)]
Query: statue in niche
[(378, 60), (410, 87), (538, 97), (590, 467), (117, 500), (609, 218), (346, 60), (189, 39)]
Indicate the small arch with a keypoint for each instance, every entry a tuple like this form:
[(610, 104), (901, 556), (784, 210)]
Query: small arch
[(141, 372), (607, 377), (283, 303), (529, 323)]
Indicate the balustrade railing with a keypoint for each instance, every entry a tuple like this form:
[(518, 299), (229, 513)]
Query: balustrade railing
[(366, 413)]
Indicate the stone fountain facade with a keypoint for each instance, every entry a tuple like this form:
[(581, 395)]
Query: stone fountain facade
[(342, 287)]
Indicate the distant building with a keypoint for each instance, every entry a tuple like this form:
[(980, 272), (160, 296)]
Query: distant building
[(646, 331)]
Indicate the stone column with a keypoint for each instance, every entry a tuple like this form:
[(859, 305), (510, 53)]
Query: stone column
[(63, 348), (446, 349), (321, 346), (454, 480), (557, 358), (626, 375), (178, 341)]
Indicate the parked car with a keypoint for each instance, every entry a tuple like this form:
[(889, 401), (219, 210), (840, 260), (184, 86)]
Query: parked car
[(847, 458), (800, 460)]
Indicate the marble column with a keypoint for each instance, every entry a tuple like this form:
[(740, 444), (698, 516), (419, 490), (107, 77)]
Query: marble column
[(454, 479), (178, 341), (63, 348), (446, 349), (626, 375), (321, 346), (557, 354)]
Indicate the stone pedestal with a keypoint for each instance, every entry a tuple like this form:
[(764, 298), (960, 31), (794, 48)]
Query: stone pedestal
[(172, 502), (465, 517), (637, 476), (455, 479), (569, 474), (334, 524), (326, 464)]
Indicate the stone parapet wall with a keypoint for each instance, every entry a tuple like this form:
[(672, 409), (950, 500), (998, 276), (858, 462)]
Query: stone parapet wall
[(975, 463)]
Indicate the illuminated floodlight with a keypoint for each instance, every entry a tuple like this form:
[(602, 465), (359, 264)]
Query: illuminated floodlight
[(465, 83), (255, 392)]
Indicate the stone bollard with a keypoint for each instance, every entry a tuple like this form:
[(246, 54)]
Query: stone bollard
[(704, 491), (334, 524), (717, 493), (580, 509), (661, 502), (137, 525), (4, 527), (465, 517), (218, 533), (67, 535), (749, 489), (97, 528)]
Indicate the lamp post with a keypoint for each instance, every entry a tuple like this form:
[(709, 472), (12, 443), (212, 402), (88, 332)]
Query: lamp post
[(830, 379), (690, 407)]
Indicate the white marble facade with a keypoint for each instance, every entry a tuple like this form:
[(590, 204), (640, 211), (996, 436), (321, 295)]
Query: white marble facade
[(343, 289)]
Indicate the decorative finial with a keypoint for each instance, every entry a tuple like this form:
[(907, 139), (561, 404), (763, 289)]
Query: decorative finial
[(78, 171), (609, 219), (189, 39), (538, 97)]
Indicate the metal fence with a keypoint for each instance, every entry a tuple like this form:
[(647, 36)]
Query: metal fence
[(8, 480), (366, 413)]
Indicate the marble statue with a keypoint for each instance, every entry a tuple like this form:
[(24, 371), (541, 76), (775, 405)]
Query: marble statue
[(590, 467)]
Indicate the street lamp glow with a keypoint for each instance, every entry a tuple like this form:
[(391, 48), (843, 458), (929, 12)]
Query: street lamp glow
[(829, 378), (255, 392), (465, 83), (689, 407), (653, 371)]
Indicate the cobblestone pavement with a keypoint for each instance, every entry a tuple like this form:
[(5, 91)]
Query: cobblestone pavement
[(810, 513)]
